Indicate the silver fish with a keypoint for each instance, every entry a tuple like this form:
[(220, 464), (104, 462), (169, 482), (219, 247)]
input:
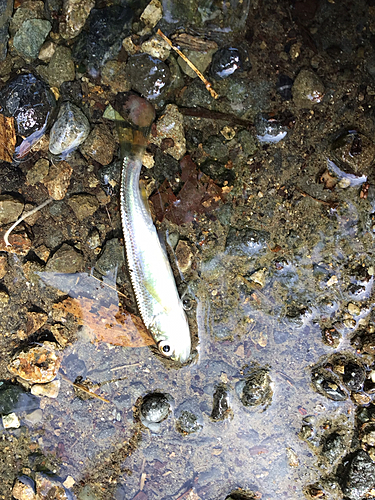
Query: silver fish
[(151, 275)]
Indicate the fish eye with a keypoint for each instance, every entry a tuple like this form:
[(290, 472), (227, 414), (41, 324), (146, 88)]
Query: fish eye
[(165, 348)]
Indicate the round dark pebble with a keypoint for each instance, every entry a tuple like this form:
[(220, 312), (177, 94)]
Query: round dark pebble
[(188, 423), (155, 407), (256, 390), (225, 62), (148, 75), (328, 385), (353, 376), (30, 101)]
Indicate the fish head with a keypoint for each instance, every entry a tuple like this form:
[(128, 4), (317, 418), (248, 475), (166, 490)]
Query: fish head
[(172, 334)]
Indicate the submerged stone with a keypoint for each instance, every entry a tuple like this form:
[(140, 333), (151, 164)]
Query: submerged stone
[(328, 385), (188, 423), (65, 260), (357, 477), (256, 389), (308, 90), (225, 62), (15, 399), (155, 408), (220, 404), (38, 364)]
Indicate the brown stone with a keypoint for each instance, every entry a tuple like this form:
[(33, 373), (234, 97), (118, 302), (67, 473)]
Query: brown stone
[(38, 364), (58, 180)]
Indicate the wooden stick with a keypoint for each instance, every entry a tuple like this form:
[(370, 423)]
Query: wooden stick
[(208, 85)]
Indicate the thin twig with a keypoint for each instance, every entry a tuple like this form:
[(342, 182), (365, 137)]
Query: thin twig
[(208, 85), (22, 218), (331, 204), (83, 388)]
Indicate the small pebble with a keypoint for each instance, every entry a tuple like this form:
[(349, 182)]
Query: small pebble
[(184, 256), (3, 265), (170, 126), (34, 417), (60, 68), (83, 205), (11, 421), (50, 390), (65, 260), (353, 309), (37, 172), (69, 131), (24, 489), (30, 37), (155, 407), (74, 15), (156, 47), (4, 298), (100, 145), (148, 75), (284, 87), (152, 14), (10, 208), (114, 74), (307, 89), (225, 62), (49, 488)]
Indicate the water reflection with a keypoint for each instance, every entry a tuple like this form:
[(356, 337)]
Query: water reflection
[(256, 449)]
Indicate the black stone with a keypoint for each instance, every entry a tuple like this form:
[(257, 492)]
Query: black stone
[(14, 399), (155, 407), (188, 423), (357, 475), (256, 390), (333, 447), (148, 75), (353, 376), (106, 28), (220, 406), (328, 385), (30, 101), (225, 62)]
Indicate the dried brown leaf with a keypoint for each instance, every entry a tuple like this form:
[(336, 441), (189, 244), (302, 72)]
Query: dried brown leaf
[(108, 324)]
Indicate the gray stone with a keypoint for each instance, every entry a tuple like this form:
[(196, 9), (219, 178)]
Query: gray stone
[(30, 37), (307, 89), (69, 131), (74, 15), (14, 399), (6, 9), (358, 478), (60, 69)]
